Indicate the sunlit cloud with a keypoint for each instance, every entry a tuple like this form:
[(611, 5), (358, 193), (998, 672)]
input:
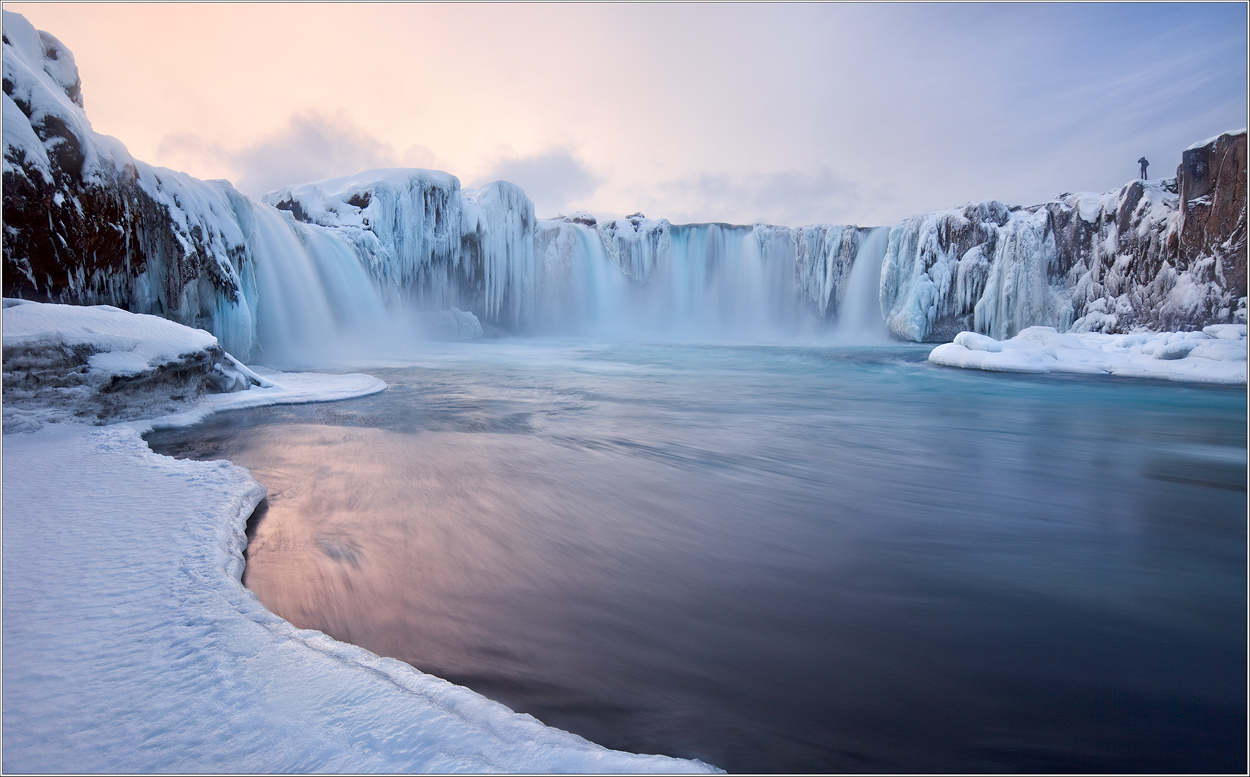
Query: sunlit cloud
[(310, 147), (557, 180), (788, 113), (789, 198)]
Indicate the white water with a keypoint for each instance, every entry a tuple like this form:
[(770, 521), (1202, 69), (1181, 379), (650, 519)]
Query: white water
[(714, 282), (697, 282), (861, 320), (351, 285)]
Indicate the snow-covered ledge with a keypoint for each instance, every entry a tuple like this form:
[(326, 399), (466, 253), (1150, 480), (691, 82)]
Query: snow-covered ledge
[(1217, 354), (129, 643)]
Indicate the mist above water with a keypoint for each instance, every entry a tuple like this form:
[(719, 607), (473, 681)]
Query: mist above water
[(316, 304)]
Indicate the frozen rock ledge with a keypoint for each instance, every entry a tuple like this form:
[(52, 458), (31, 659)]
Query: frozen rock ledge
[(129, 643), (1217, 354)]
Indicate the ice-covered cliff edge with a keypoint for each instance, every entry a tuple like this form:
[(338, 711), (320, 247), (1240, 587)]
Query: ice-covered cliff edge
[(1158, 255), (87, 223), (351, 259)]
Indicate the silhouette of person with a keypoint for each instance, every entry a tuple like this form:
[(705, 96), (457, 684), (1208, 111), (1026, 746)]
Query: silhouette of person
[(1144, 164)]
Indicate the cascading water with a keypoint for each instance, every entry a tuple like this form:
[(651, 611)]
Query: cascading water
[(315, 293), (860, 321), (314, 296), (368, 265), (693, 281)]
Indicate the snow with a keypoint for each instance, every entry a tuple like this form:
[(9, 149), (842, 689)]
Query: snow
[(1215, 355), (42, 82), (21, 142), (96, 364), (124, 343), (131, 646), (1211, 140)]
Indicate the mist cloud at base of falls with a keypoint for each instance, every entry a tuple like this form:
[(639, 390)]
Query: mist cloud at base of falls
[(327, 287)]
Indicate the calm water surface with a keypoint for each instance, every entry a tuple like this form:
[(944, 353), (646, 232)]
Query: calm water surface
[(778, 559)]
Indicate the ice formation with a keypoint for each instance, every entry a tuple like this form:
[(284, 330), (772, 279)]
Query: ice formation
[(1128, 260), (379, 255), (99, 364), (1216, 354)]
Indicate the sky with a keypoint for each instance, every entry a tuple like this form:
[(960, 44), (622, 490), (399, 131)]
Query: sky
[(782, 113)]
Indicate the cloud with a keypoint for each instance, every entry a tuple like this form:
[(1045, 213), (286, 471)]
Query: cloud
[(310, 147), (556, 180), (788, 197)]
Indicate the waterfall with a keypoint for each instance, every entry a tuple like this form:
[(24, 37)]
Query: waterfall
[(323, 283), (314, 298), (692, 281), (860, 321)]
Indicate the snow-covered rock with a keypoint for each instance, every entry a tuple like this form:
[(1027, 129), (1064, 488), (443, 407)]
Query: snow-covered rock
[(1140, 257), (1212, 184), (1215, 355), (85, 223), (101, 364)]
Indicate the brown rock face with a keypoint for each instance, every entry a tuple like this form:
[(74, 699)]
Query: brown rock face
[(1212, 180)]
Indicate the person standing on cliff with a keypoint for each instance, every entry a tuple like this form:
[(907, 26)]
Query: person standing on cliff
[(1144, 164)]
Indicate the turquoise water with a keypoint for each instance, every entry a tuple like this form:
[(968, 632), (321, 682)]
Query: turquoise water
[(778, 558)]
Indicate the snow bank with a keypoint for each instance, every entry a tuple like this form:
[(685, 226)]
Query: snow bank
[(1217, 354), (129, 643), (100, 364)]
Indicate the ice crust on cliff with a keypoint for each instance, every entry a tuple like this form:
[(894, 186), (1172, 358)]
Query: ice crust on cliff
[(319, 266), (1217, 354), (1211, 140), (152, 240), (160, 661), (185, 223)]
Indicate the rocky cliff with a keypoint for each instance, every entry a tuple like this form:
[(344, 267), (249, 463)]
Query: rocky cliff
[(85, 223), (1160, 255)]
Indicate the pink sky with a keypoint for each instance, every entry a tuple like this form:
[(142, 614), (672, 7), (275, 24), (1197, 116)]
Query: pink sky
[(784, 113)]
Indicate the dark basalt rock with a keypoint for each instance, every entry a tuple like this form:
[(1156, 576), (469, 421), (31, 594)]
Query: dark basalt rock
[(79, 241), (1212, 180), (295, 209)]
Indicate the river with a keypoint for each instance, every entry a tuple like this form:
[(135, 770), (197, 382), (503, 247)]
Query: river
[(777, 558)]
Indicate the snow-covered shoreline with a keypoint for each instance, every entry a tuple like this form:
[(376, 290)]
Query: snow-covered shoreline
[(1215, 355), (131, 646)]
